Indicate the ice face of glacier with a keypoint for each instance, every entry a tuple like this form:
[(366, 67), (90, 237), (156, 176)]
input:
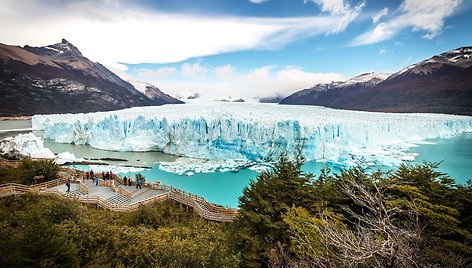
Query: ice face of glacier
[(255, 132)]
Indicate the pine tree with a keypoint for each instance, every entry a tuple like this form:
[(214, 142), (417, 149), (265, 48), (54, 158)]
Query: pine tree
[(260, 226)]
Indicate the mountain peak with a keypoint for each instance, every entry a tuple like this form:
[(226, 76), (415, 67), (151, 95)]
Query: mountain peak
[(62, 49), (459, 56), (65, 46)]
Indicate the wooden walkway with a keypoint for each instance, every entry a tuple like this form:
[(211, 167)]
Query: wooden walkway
[(112, 195)]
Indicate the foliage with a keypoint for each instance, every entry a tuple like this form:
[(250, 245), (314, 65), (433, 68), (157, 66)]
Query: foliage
[(31, 235), (27, 169), (390, 221), (50, 231), (264, 202), (197, 244), (161, 214)]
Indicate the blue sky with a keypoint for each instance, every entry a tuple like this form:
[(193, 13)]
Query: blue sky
[(243, 48)]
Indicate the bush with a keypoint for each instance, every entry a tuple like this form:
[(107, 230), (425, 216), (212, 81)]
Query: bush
[(27, 169)]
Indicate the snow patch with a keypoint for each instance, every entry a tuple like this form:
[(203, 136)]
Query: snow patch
[(365, 78)]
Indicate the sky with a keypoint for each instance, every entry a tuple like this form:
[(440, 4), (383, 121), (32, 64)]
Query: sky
[(248, 49)]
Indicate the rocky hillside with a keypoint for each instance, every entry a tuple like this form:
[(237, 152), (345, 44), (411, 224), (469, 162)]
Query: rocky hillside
[(335, 94), (59, 79), (441, 84)]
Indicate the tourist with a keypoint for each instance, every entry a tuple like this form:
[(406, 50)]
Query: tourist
[(91, 174), (138, 183), (103, 175), (96, 181), (129, 182), (111, 176), (68, 186), (88, 174), (124, 180), (107, 175)]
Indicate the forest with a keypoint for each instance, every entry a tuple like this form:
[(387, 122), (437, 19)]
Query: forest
[(413, 216)]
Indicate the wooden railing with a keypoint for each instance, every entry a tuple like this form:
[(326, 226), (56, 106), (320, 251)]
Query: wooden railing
[(15, 188), (123, 192), (203, 208), (83, 188), (103, 203)]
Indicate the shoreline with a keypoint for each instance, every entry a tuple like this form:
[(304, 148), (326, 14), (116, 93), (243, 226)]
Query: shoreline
[(12, 118)]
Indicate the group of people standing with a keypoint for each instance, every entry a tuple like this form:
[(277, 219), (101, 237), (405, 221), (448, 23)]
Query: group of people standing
[(109, 176), (105, 176), (128, 181)]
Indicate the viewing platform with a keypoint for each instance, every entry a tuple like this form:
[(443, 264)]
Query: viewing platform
[(113, 195)]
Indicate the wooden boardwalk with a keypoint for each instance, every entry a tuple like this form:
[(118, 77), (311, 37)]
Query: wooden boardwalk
[(112, 195)]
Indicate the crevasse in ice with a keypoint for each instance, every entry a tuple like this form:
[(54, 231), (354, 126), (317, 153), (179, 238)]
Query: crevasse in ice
[(255, 132)]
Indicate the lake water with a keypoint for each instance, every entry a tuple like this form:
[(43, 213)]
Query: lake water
[(225, 188)]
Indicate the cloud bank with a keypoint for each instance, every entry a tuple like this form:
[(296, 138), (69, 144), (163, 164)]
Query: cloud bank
[(224, 82), (115, 31), (424, 15)]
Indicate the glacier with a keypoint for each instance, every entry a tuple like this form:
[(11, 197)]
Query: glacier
[(254, 132)]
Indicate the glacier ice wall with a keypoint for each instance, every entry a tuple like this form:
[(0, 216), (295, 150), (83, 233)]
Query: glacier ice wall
[(256, 132)]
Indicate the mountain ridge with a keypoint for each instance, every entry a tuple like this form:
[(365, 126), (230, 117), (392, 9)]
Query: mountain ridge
[(440, 84)]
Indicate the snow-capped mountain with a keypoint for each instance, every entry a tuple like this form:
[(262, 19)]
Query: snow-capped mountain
[(154, 93), (365, 79), (441, 84), (460, 57), (320, 94), (59, 79)]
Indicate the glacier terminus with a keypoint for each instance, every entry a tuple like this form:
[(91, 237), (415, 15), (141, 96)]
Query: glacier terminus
[(254, 132)]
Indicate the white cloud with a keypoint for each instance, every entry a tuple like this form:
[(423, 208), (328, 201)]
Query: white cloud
[(253, 84), (340, 8), (382, 51), (193, 70), (333, 6), (429, 15), (114, 31), (424, 15), (258, 1), (225, 71), (160, 73), (383, 12)]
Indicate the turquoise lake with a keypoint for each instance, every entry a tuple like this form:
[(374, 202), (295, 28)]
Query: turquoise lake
[(224, 188)]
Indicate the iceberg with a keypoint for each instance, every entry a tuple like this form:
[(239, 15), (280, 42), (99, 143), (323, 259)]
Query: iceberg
[(254, 132), (25, 145), (30, 145)]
